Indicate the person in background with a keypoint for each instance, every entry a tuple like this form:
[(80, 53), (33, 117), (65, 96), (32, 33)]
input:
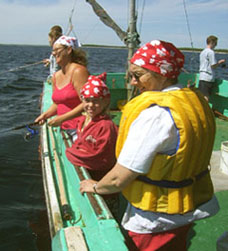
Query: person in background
[(208, 63), (66, 83), (55, 32), (163, 150), (94, 147)]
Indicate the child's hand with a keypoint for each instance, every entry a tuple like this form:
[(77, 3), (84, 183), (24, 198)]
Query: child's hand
[(55, 121)]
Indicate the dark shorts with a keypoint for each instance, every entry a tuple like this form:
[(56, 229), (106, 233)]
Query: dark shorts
[(206, 87)]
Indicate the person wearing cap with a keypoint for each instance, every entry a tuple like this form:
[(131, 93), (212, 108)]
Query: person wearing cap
[(94, 145), (163, 150), (66, 83)]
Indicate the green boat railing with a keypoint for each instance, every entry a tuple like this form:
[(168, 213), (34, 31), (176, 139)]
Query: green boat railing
[(91, 219)]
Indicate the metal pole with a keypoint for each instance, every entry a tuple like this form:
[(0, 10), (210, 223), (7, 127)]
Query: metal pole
[(131, 45), (132, 30)]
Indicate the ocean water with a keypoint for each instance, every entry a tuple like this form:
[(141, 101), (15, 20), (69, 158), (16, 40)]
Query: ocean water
[(23, 224)]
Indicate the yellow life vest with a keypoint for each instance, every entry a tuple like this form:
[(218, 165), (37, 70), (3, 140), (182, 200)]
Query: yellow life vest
[(196, 126)]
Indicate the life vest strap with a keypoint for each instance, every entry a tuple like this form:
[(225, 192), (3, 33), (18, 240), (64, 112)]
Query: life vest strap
[(170, 183)]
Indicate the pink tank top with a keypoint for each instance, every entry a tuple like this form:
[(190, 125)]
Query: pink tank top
[(66, 99)]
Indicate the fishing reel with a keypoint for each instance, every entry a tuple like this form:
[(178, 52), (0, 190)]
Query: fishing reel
[(32, 132)]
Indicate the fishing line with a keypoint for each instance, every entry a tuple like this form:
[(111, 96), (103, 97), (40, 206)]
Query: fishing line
[(31, 132), (141, 18), (21, 67), (192, 59)]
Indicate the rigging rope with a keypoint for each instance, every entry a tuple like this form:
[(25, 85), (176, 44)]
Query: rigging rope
[(70, 27), (142, 11), (192, 58), (128, 4), (187, 21), (92, 29)]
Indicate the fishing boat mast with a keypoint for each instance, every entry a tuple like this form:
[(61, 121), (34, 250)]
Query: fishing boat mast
[(132, 43), (132, 36)]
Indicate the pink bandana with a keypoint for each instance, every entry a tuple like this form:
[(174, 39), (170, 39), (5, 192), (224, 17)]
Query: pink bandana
[(95, 87), (68, 41), (161, 57)]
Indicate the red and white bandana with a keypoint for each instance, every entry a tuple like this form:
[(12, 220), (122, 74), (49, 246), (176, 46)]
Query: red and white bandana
[(95, 87), (68, 41), (161, 57)]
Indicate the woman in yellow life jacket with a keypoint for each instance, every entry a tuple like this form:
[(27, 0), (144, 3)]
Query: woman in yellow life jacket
[(163, 150)]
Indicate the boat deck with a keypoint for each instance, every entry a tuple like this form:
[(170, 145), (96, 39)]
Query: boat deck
[(204, 234)]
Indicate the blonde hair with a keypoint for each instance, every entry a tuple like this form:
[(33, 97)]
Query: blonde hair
[(79, 56), (55, 32)]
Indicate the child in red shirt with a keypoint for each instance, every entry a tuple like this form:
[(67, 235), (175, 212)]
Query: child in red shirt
[(94, 147)]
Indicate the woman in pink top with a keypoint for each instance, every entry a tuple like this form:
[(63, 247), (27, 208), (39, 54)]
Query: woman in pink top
[(67, 83)]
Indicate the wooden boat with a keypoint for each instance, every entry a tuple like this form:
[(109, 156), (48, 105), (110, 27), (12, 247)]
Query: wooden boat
[(85, 222)]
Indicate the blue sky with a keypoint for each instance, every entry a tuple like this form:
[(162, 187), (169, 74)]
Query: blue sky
[(29, 21)]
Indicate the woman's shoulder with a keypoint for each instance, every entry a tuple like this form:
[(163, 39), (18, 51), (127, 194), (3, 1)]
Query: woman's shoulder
[(80, 72), (76, 68)]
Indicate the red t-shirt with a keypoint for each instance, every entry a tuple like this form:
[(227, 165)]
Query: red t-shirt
[(94, 148)]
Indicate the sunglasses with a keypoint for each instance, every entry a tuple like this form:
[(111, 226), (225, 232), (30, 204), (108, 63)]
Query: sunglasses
[(58, 50), (136, 75)]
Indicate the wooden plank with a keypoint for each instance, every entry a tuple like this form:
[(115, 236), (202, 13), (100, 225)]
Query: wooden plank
[(75, 239), (54, 214), (66, 212)]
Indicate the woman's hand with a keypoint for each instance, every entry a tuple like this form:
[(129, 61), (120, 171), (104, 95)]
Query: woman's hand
[(113, 182), (56, 121), (41, 119), (87, 186)]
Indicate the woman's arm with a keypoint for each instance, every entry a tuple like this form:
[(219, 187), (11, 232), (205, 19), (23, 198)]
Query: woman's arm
[(58, 120), (52, 110), (114, 181)]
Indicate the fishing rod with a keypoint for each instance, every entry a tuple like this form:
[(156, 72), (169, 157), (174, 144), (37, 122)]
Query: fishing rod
[(22, 67), (25, 125), (31, 131)]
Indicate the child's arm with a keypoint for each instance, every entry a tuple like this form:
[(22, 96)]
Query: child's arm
[(95, 147)]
